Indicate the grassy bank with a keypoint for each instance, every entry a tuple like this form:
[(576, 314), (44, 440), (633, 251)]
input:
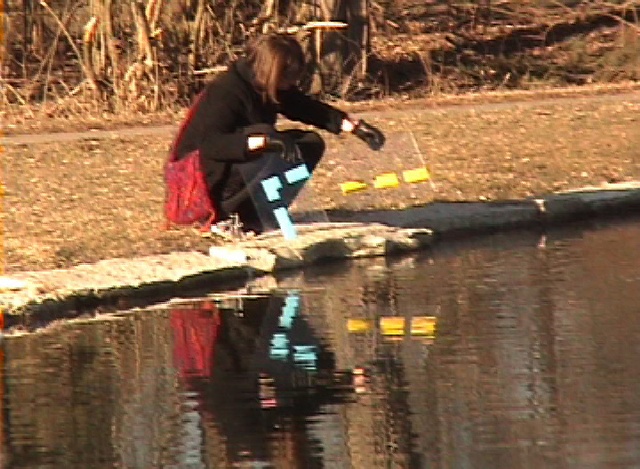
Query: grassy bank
[(69, 202)]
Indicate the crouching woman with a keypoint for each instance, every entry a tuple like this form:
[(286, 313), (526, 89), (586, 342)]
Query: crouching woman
[(229, 133)]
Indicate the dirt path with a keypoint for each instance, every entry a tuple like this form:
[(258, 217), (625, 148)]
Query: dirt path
[(417, 107)]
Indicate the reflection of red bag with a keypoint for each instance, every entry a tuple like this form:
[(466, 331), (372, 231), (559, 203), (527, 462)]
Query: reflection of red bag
[(187, 199), (194, 337)]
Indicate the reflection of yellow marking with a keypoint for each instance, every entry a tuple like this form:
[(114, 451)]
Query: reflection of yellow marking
[(416, 175), (358, 325), (423, 325), (352, 186), (384, 181), (393, 326)]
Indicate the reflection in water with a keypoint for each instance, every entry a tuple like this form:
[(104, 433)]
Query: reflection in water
[(270, 373), (507, 354)]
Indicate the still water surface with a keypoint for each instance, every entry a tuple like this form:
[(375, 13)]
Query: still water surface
[(509, 352)]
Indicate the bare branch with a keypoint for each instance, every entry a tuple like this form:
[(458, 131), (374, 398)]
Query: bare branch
[(152, 13), (144, 33), (88, 40), (68, 36), (195, 37)]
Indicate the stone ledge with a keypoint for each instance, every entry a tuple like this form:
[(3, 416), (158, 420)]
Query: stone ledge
[(449, 218), (378, 233), (107, 279)]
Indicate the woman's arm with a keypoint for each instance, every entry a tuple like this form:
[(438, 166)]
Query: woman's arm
[(215, 131), (297, 106)]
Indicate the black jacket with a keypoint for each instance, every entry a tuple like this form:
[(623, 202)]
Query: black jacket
[(227, 106)]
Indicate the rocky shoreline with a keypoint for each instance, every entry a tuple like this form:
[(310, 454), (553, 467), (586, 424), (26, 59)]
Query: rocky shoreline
[(355, 235)]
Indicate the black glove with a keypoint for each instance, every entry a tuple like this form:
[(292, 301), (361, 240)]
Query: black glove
[(285, 146), (281, 143), (371, 135)]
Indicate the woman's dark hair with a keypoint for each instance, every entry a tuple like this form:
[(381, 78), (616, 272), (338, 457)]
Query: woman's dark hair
[(273, 59)]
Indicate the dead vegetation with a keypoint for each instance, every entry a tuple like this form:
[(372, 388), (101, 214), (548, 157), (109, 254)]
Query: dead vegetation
[(96, 56)]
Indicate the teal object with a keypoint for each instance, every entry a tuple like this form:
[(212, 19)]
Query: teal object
[(286, 224), (272, 188), (299, 173), (305, 356), (279, 349), (289, 310)]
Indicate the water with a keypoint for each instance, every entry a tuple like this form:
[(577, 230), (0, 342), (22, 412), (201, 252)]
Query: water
[(508, 352)]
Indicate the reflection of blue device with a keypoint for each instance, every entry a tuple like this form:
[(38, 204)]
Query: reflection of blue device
[(303, 355)]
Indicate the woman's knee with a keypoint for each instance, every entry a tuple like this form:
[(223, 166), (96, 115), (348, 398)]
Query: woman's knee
[(312, 146), (314, 139)]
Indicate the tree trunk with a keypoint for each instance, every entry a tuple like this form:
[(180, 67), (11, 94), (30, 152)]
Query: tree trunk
[(343, 53)]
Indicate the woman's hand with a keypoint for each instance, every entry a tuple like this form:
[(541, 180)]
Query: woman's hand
[(347, 125), (277, 142), (285, 146), (256, 142), (368, 133)]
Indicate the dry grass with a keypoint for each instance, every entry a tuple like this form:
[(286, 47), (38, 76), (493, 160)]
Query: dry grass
[(90, 199)]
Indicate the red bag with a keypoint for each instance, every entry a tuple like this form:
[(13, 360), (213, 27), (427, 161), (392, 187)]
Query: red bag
[(187, 199)]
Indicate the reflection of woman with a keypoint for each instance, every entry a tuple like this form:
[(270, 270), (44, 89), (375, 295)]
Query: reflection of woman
[(231, 394), (231, 125)]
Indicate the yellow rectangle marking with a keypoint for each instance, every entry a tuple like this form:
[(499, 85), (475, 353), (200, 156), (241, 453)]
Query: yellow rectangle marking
[(384, 181), (352, 186), (416, 175)]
